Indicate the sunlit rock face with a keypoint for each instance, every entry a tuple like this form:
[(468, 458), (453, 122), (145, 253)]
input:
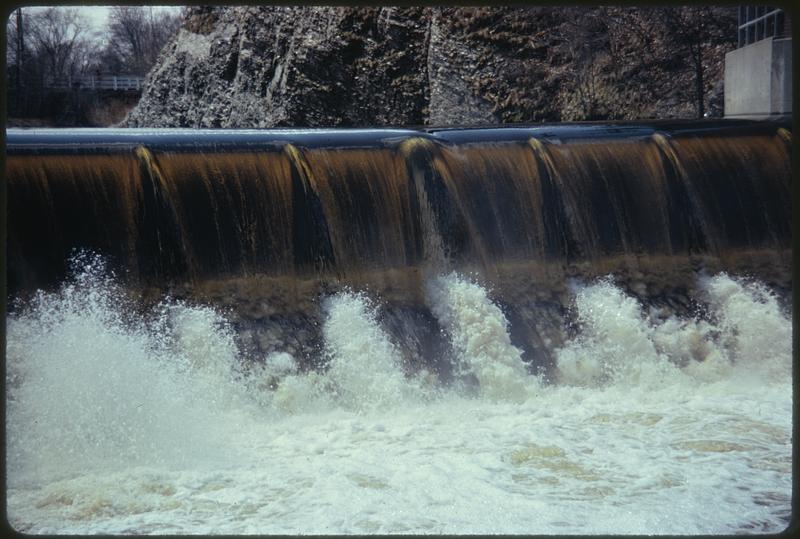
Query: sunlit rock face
[(266, 66), (274, 66)]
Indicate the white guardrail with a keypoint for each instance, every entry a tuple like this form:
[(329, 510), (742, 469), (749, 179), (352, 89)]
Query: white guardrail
[(102, 82)]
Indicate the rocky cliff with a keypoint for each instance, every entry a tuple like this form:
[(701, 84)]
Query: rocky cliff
[(262, 66)]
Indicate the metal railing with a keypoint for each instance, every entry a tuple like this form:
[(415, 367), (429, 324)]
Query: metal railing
[(97, 82), (760, 22)]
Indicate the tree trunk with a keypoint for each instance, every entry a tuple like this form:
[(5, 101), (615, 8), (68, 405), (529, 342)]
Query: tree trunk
[(697, 56)]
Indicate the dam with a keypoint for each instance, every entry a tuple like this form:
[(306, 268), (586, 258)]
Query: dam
[(206, 323), (250, 218)]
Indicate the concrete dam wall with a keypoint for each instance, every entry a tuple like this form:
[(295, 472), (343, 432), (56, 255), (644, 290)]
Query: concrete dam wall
[(262, 223)]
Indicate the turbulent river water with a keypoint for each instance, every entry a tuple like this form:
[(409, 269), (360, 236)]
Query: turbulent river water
[(122, 422)]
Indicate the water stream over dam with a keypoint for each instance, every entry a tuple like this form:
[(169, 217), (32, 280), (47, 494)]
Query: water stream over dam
[(189, 301)]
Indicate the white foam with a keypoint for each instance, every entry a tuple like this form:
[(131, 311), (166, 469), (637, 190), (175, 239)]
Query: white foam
[(89, 385), (757, 333), (364, 372), (747, 333), (119, 424), (365, 366), (478, 331), (616, 343)]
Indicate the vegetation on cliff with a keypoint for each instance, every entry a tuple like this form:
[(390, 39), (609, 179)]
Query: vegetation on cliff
[(261, 66)]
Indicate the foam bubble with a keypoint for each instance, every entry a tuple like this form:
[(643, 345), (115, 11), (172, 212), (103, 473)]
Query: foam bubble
[(615, 344), (619, 344), (478, 331), (155, 423), (91, 385), (757, 333), (365, 366)]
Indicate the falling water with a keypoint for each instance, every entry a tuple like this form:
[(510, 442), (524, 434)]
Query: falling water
[(535, 330)]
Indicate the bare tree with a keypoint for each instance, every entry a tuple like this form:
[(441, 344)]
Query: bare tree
[(46, 50), (692, 29), (54, 45), (655, 52), (12, 37), (583, 39), (136, 36), (47, 45), (58, 40)]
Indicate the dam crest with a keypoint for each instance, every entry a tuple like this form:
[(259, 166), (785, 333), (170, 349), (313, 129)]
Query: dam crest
[(264, 223)]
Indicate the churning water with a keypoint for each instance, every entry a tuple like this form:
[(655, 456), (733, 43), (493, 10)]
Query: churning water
[(119, 422)]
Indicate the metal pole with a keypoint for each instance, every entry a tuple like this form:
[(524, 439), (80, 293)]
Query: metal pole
[(20, 49), (19, 43)]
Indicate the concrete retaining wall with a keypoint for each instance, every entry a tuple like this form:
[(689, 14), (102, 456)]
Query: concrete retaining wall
[(758, 79)]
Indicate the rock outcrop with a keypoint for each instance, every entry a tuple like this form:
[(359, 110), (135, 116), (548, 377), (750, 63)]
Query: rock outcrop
[(263, 66)]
